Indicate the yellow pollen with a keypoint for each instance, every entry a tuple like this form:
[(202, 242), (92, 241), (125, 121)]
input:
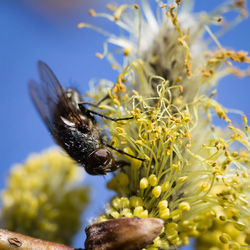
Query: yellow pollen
[(138, 210), (116, 101), (92, 12), (225, 238), (163, 204), (126, 52), (120, 130), (115, 214), (135, 92), (152, 180), (182, 179), (164, 213), (81, 25), (156, 191), (99, 55), (165, 186), (139, 142), (143, 183), (204, 186), (184, 206), (124, 202), (136, 6)]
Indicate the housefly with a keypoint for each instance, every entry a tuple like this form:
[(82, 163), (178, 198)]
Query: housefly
[(71, 124)]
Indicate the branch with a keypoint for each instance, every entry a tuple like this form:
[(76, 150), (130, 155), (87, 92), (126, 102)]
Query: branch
[(10, 240)]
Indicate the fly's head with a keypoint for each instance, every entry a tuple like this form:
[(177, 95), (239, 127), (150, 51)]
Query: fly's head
[(100, 162)]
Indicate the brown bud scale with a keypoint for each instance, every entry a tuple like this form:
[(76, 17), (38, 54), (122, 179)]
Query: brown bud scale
[(123, 234)]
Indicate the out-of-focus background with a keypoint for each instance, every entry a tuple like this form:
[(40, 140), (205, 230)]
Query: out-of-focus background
[(46, 30)]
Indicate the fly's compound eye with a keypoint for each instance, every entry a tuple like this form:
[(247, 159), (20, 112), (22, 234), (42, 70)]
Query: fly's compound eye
[(100, 162)]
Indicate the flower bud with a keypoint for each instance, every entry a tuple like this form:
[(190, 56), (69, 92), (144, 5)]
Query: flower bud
[(124, 233)]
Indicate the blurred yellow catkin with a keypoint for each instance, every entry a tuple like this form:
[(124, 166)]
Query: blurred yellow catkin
[(45, 198)]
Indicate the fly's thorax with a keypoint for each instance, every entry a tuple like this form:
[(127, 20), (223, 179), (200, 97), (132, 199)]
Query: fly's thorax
[(73, 96)]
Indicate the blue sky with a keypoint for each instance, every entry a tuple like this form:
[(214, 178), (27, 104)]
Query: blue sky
[(28, 35)]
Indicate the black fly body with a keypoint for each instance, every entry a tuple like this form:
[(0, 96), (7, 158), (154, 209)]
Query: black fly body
[(71, 124)]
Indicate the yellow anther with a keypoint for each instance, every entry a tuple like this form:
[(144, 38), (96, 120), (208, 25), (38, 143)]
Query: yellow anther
[(244, 118), (170, 227), (164, 213), (143, 183), (165, 186), (92, 12), (172, 235), (184, 206), (181, 89), (125, 97), (152, 180), (225, 238), (126, 51), (175, 166), (116, 203), (136, 6), (81, 25), (135, 92), (126, 212), (144, 214), (182, 179), (124, 202), (204, 186), (115, 214), (138, 111), (99, 55), (116, 101), (163, 204), (109, 93), (139, 142), (120, 130), (133, 113), (138, 210), (156, 191)]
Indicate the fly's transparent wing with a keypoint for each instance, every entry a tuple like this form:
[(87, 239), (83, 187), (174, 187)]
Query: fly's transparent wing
[(41, 102), (55, 94), (49, 82)]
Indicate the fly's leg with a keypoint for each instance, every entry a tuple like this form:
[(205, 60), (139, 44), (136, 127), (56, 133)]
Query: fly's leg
[(84, 110), (122, 152)]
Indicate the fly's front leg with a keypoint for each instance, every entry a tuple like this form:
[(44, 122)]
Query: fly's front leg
[(84, 110), (122, 152)]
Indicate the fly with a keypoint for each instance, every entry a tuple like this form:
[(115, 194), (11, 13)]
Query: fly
[(73, 126)]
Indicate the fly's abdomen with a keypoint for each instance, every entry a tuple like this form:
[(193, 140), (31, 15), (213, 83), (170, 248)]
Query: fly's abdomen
[(77, 144)]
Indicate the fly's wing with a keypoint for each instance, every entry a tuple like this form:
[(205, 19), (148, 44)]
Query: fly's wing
[(43, 107), (49, 82), (56, 94), (47, 95)]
